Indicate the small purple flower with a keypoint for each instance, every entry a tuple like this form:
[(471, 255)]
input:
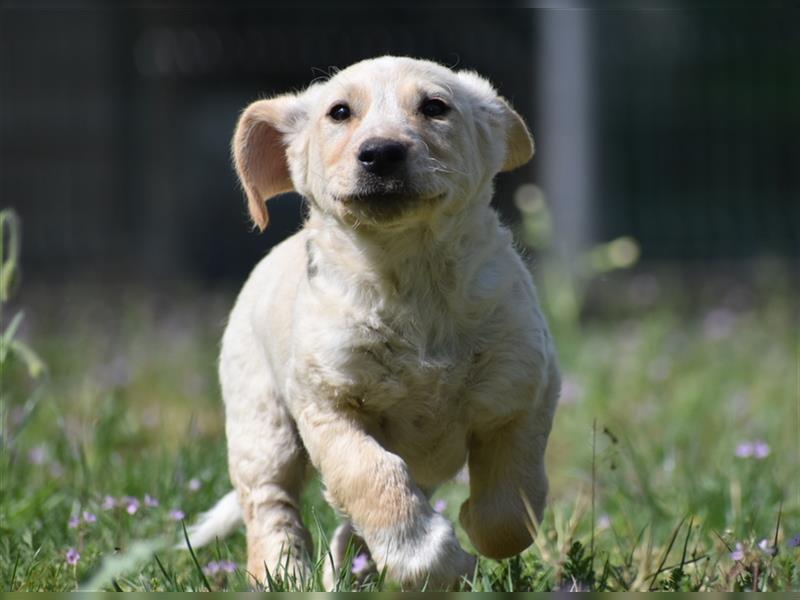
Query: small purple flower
[(89, 517), (439, 506), (603, 522), (149, 501), (794, 542), (360, 564), (37, 455), (738, 553), (72, 556), (211, 568), (228, 566), (131, 505), (176, 514), (73, 522), (744, 450), (194, 484), (108, 502), (760, 449), (766, 548)]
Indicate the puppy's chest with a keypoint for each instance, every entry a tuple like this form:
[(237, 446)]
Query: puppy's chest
[(385, 368), (407, 388)]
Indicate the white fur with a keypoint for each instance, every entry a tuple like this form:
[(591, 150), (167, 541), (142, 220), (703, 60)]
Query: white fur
[(386, 348), (428, 553), (220, 521)]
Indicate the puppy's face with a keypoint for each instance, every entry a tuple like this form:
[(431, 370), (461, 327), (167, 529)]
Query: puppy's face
[(386, 141)]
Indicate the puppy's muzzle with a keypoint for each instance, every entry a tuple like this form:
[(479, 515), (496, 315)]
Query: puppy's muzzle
[(382, 157)]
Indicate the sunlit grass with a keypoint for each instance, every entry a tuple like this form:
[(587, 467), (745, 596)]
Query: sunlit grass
[(659, 394)]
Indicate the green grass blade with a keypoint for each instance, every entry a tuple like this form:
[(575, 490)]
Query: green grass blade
[(666, 552), (194, 557), (170, 580)]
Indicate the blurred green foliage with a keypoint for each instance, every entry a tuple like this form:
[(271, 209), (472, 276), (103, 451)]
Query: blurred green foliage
[(564, 280), (650, 487), (9, 259)]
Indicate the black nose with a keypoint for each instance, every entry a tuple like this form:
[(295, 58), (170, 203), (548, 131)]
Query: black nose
[(380, 156)]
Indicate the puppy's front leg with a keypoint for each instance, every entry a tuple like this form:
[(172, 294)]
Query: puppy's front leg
[(374, 489), (507, 479)]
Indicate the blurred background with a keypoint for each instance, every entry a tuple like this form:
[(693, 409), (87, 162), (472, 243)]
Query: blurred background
[(660, 217), (676, 126)]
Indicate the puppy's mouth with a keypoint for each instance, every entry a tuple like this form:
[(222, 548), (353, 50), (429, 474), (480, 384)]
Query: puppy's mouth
[(380, 206), (374, 198), (379, 189), (387, 194)]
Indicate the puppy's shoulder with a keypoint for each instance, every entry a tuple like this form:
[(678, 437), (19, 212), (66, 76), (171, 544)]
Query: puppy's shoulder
[(273, 282), (287, 256)]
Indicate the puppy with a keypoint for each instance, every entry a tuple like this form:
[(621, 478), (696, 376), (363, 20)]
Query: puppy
[(395, 337)]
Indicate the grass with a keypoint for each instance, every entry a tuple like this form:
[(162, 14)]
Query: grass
[(664, 380)]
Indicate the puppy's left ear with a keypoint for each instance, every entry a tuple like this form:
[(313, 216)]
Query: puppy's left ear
[(519, 141), (502, 119)]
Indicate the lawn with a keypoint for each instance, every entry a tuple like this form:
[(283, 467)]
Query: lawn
[(673, 462)]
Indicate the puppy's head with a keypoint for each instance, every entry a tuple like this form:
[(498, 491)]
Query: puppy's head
[(386, 140)]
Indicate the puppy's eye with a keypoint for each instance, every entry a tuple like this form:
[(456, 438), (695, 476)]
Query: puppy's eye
[(434, 107), (339, 112)]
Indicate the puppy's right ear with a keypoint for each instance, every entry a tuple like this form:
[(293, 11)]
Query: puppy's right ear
[(259, 151)]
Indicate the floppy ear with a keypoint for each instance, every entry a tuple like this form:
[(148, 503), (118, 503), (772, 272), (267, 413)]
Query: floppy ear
[(518, 148), (519, 142), (259, 151)]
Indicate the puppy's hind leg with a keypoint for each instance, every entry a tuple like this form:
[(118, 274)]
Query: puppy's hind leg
[(266, 460)]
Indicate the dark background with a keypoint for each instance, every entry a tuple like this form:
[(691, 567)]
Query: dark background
[(676, 125)]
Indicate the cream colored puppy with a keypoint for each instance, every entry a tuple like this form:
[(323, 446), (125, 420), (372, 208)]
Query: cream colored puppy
[(396, 336)]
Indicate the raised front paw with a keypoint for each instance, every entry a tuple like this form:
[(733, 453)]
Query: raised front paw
[(424, 554)]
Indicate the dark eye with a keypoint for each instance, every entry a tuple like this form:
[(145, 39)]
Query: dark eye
[(339, 112), (434, 108)]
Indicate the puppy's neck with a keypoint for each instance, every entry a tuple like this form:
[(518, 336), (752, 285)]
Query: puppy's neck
[(432, 258)]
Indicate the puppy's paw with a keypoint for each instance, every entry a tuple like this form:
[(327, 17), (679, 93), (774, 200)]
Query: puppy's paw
[(288, 570), (495, 533), (426, 552), (281, 559)]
